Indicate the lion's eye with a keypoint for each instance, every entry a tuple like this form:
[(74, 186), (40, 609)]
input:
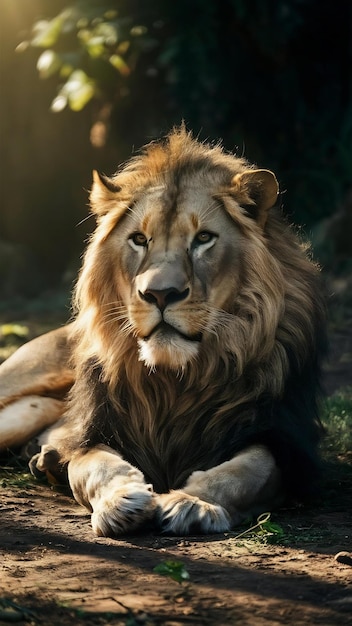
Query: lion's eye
[(204, 237), (139, 239)]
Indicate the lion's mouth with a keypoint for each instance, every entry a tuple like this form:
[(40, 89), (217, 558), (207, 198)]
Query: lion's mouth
[(166, 330)]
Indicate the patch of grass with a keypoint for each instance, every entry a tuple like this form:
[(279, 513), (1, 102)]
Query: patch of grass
[(307, 535), (283, 532), (14, 478), (337, 419), (14, 473), (265, 531)]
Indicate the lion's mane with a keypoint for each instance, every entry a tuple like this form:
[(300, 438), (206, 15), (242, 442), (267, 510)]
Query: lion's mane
[(256, 378)]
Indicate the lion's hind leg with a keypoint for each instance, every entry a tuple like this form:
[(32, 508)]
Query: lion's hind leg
[(24, 418), (34, 382), (113, 490), (215, 500)]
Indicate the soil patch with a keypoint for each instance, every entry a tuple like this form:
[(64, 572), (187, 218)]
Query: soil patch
[(54, 571)]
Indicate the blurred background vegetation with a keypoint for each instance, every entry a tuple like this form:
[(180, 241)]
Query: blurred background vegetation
[(85, 83)]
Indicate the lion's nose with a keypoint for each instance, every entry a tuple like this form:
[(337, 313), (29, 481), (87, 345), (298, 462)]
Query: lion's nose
[(163, 297)]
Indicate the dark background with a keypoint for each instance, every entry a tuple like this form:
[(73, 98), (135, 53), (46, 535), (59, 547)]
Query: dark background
[(272, 78)]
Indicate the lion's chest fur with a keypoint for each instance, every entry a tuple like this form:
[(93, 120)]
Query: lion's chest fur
[(170, 427)]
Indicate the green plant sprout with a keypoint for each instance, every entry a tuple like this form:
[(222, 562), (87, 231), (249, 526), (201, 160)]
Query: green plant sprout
[(264, 529), (173, 569)]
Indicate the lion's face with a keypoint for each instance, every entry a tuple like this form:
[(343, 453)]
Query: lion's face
[(174, 266), (178, 269)]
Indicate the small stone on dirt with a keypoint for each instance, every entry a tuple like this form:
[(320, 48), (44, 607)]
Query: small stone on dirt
[(344, 557)]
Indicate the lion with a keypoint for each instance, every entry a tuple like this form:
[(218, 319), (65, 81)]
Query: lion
[(188, 383)]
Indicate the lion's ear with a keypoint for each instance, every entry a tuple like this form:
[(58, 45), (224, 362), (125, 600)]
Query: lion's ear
[(257, 190), (103, 194)]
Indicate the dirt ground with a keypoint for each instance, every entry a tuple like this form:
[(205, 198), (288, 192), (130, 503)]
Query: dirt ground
[(54, 571)]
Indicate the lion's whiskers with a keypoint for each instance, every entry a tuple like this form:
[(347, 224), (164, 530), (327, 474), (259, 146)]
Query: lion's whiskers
[(205, 213), (114, 315), (217, 320), (112, 306), (119, 314), (127, 328)]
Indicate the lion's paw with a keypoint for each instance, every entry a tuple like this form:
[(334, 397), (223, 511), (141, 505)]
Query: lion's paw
[(182, 514), (123, 511)]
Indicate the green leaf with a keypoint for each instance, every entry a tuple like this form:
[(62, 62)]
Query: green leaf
[(79, 89), (59, 103), (110, 14), (173, 569), (269, 530), (264, 530), (118, 63), (108, 32), (14, 329), (95, 47), (66, 70), (46, 33), (138, 31), (48, 63), (78, 99)]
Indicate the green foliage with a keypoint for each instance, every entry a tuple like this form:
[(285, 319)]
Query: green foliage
[(264, 531), (16, 330), (173, 569), (13, 475), (11, 337), (262, 75), (337, 418), (90, 48)]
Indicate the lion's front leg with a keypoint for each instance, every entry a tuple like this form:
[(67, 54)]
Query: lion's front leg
[(112, 489), (215, 500)]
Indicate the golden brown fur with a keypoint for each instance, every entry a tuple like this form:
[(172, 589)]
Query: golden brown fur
[(274, 309), (272, 290), (197, 345)]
